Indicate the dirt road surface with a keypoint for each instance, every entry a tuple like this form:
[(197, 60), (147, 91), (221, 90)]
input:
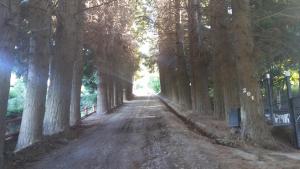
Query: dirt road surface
[(144, 134)]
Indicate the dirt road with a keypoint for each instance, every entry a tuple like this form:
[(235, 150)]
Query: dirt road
[(145, 134)]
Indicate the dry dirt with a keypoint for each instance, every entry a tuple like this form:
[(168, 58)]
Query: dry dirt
[(144, 134)]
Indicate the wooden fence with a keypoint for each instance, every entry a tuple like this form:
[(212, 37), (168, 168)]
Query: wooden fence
[(13, 125)]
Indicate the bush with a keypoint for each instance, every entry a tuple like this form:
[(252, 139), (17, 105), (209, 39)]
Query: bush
[(154, 84), (88, 98), (16, 99)]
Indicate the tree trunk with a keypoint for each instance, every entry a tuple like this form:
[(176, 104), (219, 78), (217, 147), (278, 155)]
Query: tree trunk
[(120, 100), (59, 96), (5, 71), (200, 98), (225, 81), (128, 91), (253, 124), (115, 93), (75, 112), (110, 93), (7, 42), (75, 109), (112, 98), (102, 104), (200, 79), (184, 91), (161, 75), (217, 20), (174, 92), (57, 116), (219, 107), (31, 130)]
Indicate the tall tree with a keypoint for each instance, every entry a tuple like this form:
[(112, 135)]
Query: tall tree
[(225, 78), (75, 112), (31, 130), (8, 13), (102, 98), (57, 114), (253, 124), (199, 61), (183, 81)]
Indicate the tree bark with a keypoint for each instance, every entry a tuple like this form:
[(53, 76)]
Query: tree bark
[(112, 98), (75, 109), (218, 66), (102, 104), (203, 103), (161, 75), (128, 91), (225, 81), (110, 93), (57, 116), (200, 98), (115, 92), (120, 98), (183, 87), (5, 72), (253, 124), (8, 15), (31, 130), (75, 112)]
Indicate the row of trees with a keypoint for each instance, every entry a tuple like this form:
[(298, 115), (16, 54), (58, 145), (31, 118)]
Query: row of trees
[(217, 50), (53, 40)]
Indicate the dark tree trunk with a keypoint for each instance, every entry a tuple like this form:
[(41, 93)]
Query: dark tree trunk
[(200, 97), (120, 92), (218, 65), (128, 91), (31, 130), (5, 71), (7, 42), (183, 87), (225, 81), (200, 79), (194, 37), (173, 92), (75, 112), (161, 76), (112, 98), (219, 105), (115, 93), (253, 124), (110, 93)]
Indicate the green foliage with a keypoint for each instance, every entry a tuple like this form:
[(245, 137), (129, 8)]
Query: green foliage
[(154, 83), (89, 92), (88, 98), (16, 98), (89, 79), (276, 27)]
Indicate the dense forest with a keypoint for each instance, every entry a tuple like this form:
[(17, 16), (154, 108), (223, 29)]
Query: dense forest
[(211, 56)]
